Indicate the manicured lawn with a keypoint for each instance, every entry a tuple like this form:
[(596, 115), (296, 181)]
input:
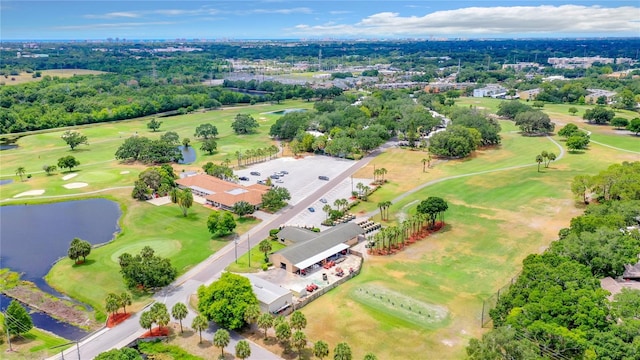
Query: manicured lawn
[(35, 344), (257, 258), (559, 113), (185, 240), (97, 163), (494, 220)]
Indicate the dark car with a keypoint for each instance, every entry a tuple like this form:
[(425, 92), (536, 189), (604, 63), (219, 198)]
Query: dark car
[(255, 173), (312, 209), (284, 172), (322, 177), (323, 200), (274, 176), (243, 178)]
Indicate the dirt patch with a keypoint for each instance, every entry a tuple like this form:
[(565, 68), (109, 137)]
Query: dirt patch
[(63, 310)]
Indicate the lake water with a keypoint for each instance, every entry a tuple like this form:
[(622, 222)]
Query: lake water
[(7, 146), (188, 155), (286, 111), (33, 237)]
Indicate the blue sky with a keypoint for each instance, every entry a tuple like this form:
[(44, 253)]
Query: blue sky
[(352, 19)]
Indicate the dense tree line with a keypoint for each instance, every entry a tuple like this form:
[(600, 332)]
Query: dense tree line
[(557, 308)]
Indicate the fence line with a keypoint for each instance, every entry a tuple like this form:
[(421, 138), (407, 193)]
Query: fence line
[(489, 303), (309, 298)]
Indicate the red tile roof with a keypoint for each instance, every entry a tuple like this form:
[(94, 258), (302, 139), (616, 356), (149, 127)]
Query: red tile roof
[(225, 192)]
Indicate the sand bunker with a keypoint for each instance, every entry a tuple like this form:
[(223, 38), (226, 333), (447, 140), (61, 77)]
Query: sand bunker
[(30, 193), (124, 172), (70, 176), (75, 185)]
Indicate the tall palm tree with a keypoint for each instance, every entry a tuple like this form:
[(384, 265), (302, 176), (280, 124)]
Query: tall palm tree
[(20, 172), (539, 160), (199, 323), (221, 338), (383, 171), (327, 210), (239, 157), (179, 311)]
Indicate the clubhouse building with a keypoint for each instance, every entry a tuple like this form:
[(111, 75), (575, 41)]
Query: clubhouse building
[(223, 194)]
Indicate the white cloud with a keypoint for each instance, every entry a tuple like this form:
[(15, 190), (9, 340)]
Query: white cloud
[(522, 20), (114, 15), (298, 10), (340, 12), (124, 25)]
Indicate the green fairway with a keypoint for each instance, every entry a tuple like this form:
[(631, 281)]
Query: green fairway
[(559, 113), (100, 170), (500, 210)]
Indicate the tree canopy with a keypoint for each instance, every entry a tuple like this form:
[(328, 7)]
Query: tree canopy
[(226, 299), (146, 270), (244, 124), (457, 141)]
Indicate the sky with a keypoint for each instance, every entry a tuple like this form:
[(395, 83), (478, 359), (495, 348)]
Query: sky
[(317, 19)]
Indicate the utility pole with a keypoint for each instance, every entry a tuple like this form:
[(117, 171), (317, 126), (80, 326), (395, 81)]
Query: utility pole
[(249, 246), (235, 242)]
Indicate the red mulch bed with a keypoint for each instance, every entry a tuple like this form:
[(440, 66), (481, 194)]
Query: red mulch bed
[(156, 331), (424, 232), (117, 318)]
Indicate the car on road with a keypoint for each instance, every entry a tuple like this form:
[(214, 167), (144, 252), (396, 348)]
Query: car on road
[(243, 178), (312, 209), (279, 181), (255, 173), (274, 176), (323, 200), (322, 177), (283, 172)]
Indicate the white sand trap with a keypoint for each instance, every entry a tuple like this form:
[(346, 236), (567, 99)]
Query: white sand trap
[(70, 176), (30, 193), (263, 118), (75, 185), (124, 172)]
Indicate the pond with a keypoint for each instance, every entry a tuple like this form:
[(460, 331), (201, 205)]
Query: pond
[(7, 146), (6, 181), (286, 111), (188, 155), (46, 322), (34, 237)]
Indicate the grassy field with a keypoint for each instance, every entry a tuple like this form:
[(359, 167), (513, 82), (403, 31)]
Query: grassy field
[(100, 170), (35, 344), (257, 258), (494, 220), (559, 113), (62, 73), (185, 240)]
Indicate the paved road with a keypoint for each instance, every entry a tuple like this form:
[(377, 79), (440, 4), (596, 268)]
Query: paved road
[(205, 273)]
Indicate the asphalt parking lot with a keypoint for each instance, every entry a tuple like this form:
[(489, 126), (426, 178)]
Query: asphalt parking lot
[(302, 180)]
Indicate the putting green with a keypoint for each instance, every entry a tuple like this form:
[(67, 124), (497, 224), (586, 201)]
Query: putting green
[(161, 247), (399, 305)]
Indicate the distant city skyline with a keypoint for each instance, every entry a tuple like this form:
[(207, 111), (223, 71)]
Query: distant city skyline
[(315, 20)]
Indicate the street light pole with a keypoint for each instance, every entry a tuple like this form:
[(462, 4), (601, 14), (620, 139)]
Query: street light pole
[(249, 246), (235, 241)]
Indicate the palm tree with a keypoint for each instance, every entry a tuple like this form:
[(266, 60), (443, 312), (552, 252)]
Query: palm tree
[(299, 341), (265, 246), (221, 338), (124, 301), (342, 352), (383, 171), (239, 157), (243, 350), (160, 314), (251, 314), (360, 187), (386, 205), (20, 172), (112, 303), (146, 320), (298, 320), (424, 163), (320, 349), (370, 356), (265, 321), (550, 157), (327, 209), (200, 323), (376, 172), (179, 311), (539, 160)]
